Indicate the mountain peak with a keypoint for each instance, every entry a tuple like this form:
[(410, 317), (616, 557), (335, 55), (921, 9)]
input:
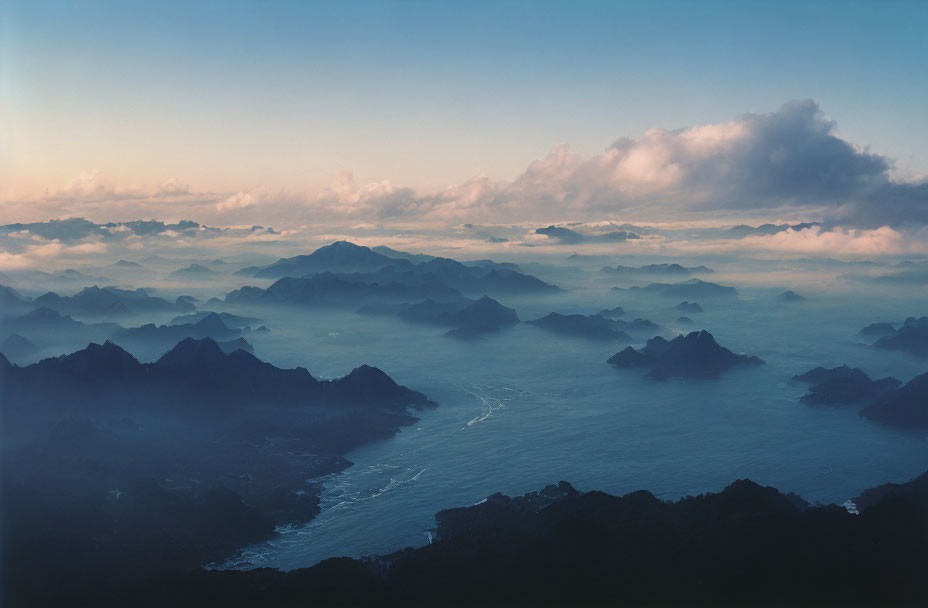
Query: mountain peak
[(99, 360), (192, 352), (41, 313), (370, 376), (343, 245), (212, 322)]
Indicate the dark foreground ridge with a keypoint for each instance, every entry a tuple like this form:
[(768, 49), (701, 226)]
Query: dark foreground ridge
[(747, 545), (194, 374), (116, 470), (905, 407)]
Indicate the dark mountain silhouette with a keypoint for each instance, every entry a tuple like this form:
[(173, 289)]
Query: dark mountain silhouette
[(905, 407), (46, 319), (878, 330), (430, 312), (468, 318), (193, 272), (790, 296), (747, 545), (96, 301), (340, 256), (11, 302), (656, 269), (419, 258), (842, 385), (566, 236), (689, 307), (117, 470), (694, 288), (593, 327), (638, 326), (228, 318), (370, 387), (695, 355), (485, 312), (17, 348), (911, 338), (327, 289), (684, 321), (244, 294), (612, 313), (502, 266), (194, 368), (915, 322), (231, 346), (69, 275), (78, 228), (742, 230), (484, 316), (159, 337), (472, 278), (415, 258), (376, 274), (44, 325), (48, 327), (872, 496)]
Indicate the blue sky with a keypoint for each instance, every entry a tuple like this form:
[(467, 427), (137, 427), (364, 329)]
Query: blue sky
[(229, 96)]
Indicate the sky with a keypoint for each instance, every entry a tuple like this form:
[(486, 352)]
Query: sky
[(230, 112)]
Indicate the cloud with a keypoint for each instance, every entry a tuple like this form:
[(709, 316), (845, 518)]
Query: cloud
[(89, 187), (240, 200), (892, 204), (34, 254), (787, 161), (790, 162), (346, 198), (567, 236), (790, 158), (815, 240), (172, 187)]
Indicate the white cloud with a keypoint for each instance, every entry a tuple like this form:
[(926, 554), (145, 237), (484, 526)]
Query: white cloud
[(34, 255), (787, 162), (876, 242), (240, 200)]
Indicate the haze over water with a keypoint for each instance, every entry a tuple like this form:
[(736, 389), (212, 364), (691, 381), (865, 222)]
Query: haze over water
[(525, 408)]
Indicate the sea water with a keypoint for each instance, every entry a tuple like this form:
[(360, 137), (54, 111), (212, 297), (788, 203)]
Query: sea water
[(525, 407)]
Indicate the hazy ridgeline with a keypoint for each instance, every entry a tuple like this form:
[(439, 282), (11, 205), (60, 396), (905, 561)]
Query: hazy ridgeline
[(519, 405)]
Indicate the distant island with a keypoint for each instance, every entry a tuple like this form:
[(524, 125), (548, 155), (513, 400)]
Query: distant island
[(656, 269), (694, 356), (689, 307), (370, 272), (905, 407), (747, 545), (694, 288), (911, 337), (841, 385), (790, 296)]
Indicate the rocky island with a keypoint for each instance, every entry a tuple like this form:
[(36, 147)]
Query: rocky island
[(694, 356)]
